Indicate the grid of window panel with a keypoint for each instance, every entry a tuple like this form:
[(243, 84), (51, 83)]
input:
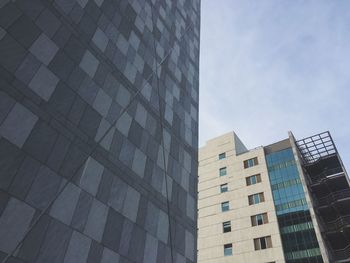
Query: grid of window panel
[(294, 219)]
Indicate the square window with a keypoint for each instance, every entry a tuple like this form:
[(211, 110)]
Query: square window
[(259, 219), (225, 206), (223, 188), (251, 162), (222, 156), (223, 171), (226, 227), (256, 198), (228, 250), (262, 243), (254, 179)]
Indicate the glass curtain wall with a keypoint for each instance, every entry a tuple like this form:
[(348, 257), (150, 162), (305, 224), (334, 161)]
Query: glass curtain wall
[(298, 236)]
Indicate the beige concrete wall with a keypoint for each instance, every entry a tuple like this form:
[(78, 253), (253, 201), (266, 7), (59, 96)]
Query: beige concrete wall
[(211, 239)]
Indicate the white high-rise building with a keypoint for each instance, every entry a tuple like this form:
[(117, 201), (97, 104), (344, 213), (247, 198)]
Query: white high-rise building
[(263, 205)]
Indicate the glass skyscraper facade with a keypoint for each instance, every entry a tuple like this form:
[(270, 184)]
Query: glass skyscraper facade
[(299, 240), (98, 130)]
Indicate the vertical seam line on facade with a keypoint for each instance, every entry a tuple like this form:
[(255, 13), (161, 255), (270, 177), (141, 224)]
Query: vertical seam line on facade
[(162, 138), (162, 127)]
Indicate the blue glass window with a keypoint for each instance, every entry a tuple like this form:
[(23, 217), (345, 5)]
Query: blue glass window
[(223, 188), (256, 198), (225, 206), (253, 179), (251, 162), (293, 214), (222, 156), (226, 227), (223, 171), (228, 249), (259, 219)]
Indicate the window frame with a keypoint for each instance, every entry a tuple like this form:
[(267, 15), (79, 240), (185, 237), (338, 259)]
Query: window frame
[(223, 189), (222, 156), (255, 221), (228, 250), (249, 179), (250, 162), (262, 243), (225, 208), (226, 227), (256, 198), (221, 171)]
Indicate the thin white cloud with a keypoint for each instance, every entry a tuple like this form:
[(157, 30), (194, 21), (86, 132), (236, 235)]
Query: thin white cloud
[(272, 66)]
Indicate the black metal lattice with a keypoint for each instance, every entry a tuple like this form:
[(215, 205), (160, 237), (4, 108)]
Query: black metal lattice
[(317, 146)]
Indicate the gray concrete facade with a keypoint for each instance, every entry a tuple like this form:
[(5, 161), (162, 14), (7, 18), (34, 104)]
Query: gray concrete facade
[(98, 130)]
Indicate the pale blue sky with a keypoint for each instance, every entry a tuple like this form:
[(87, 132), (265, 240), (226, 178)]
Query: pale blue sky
[(272, 66)]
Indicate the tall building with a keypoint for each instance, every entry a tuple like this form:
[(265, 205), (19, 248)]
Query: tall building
[(98, 130), (285, 202)]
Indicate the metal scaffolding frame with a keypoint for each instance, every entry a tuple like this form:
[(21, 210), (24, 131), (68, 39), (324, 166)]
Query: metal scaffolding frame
[(315, 147)]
